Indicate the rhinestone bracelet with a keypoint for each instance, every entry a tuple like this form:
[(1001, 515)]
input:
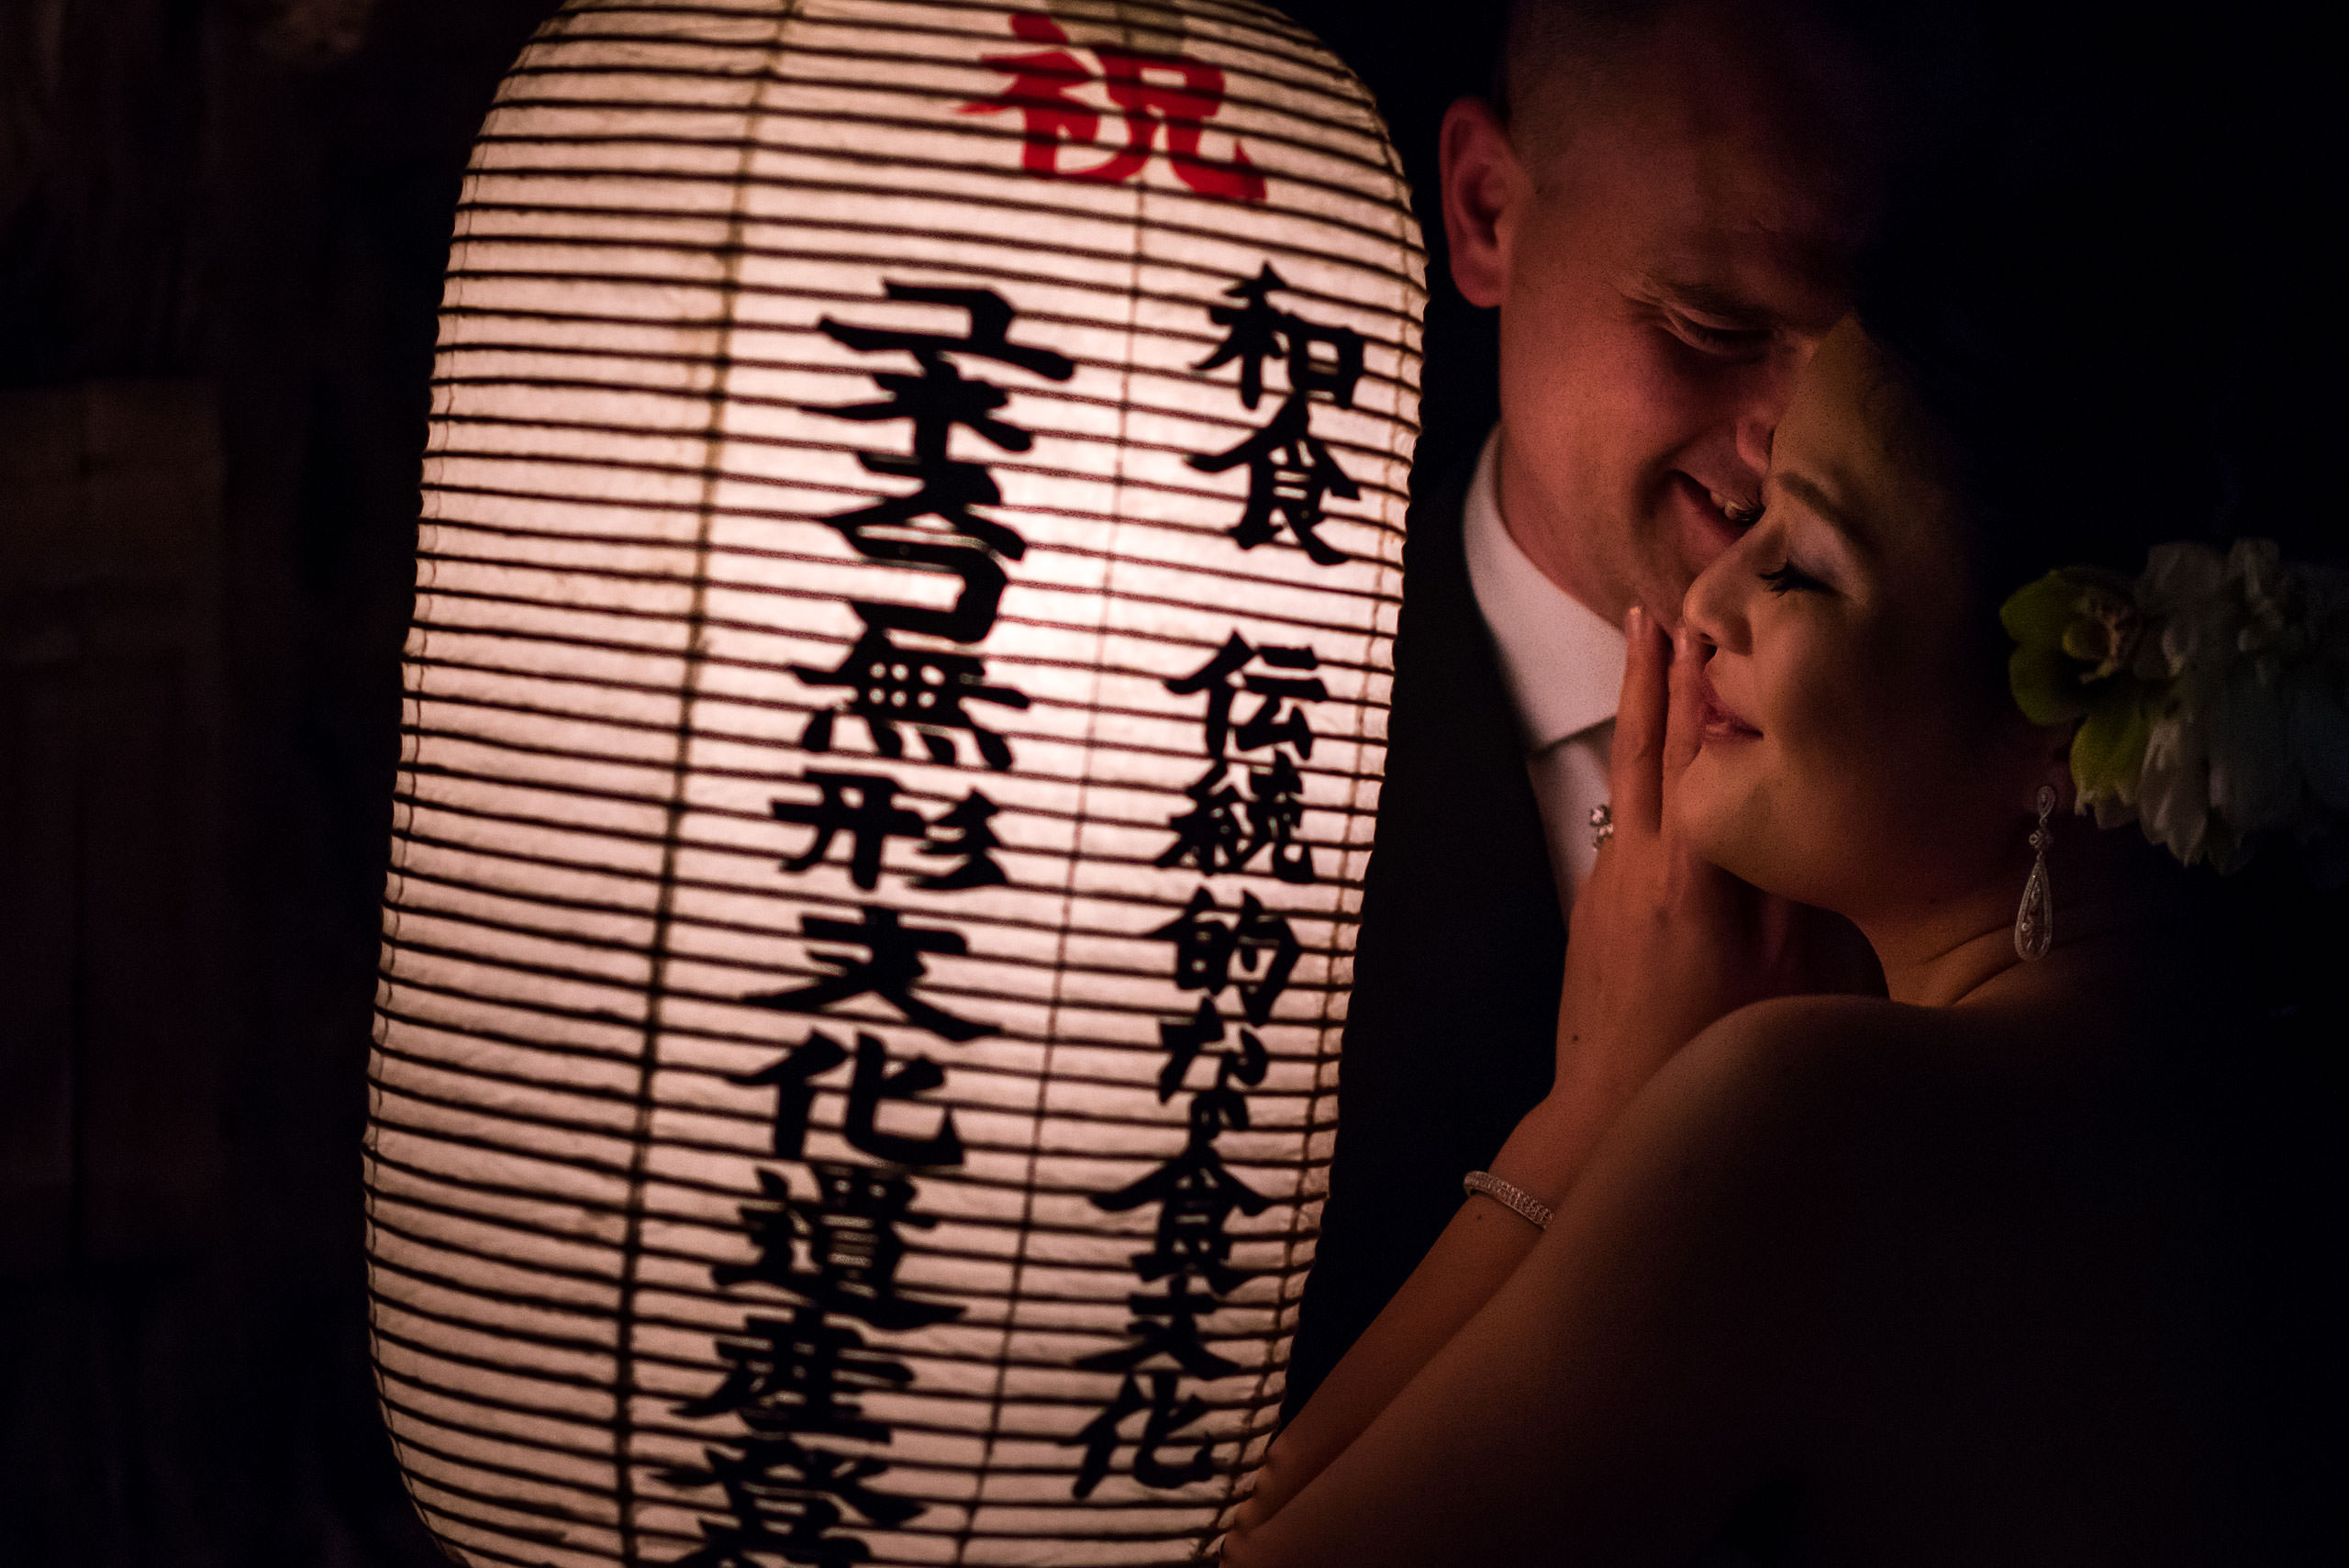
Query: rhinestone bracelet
[(1509, 1194)]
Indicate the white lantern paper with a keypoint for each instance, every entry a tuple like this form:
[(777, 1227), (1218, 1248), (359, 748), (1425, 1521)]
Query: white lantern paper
[(895, 708)]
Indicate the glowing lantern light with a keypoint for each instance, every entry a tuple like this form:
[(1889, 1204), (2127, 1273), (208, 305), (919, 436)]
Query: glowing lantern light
[(894, 709)]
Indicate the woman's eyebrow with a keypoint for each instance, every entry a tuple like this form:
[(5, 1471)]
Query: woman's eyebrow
[(1819, 501)]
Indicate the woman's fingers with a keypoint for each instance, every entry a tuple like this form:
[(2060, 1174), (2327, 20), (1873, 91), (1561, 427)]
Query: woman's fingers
[(1683, 731), (1635, 778)]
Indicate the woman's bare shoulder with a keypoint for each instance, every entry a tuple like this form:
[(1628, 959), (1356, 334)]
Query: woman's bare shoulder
[(1821, 1031), (1792, 1055), (1785, 1091), (1795, 1055), (1760, 1097)]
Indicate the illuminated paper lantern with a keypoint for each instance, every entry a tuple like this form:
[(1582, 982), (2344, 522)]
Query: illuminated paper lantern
[(893, 716)]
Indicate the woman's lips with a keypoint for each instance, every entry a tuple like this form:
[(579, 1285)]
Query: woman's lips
[(1717, 721)]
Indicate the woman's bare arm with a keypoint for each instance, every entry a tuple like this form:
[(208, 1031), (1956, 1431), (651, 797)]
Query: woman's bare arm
[(1473, 1257), (1661, 945), (1611, 1401)]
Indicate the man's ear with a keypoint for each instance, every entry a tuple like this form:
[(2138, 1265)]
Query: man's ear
[(1482, 186)]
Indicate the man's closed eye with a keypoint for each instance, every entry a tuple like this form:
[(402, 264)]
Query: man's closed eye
[(1735, 342)]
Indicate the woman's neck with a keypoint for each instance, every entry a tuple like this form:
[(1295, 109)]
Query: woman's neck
[(2108, 890)]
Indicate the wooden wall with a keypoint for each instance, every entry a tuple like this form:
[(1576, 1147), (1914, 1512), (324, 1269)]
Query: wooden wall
[(221, 231)]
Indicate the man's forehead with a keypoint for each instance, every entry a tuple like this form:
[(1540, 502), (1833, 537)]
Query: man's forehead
[(1763, 67), (1726, 226), (1701, 129)]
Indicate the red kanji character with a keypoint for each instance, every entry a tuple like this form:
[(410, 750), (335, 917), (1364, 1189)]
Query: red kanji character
[(1042, 87), (1182, 109), (1040, 90)]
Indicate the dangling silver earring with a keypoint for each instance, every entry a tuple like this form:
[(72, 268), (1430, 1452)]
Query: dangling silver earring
[(2035, 920)]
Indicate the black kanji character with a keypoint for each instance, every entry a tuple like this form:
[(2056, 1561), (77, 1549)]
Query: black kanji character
[(938, 400), (750, 1542), (1197, 1194), (890, 974), (1277, 720), (1263, 942), (1326, 360), (890, 686), (794, 1077), (1166, 1327), (863, 805), (1291, 476), (770, 1480), (964, 833), (854, 1246), (1167, 1419), (852, 1238), (1264, 939), (1100, 1436), (1276, 812), (781, 1496), (972, 616), (1212, 835), (1183, 1039), (947, 491), (1253, 332), (1204, 945), (1206, 948), (1322, 360), (801, 1374), (989, 336), (874, 1085)]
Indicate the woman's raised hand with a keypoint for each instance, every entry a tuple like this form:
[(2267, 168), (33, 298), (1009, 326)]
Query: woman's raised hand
[(1662, 943)]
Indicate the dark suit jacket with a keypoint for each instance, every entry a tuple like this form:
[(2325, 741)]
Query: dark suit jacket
[(1450, 1036)]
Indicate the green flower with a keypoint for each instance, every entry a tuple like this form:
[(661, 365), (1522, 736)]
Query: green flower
[(2075, 634)]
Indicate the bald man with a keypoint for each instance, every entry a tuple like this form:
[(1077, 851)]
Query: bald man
[(1663, 203)]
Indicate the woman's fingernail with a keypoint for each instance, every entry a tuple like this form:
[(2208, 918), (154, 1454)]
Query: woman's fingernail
[(1634, 621)]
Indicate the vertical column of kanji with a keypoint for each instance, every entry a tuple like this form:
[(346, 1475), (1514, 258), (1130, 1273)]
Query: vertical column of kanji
[(799, 1463), (1174, 1187), (1243, 818)]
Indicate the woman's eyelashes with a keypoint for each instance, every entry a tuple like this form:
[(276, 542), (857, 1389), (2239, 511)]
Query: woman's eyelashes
[(1788, 578)]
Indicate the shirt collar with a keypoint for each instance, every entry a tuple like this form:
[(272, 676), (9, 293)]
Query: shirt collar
[(1564, 662)]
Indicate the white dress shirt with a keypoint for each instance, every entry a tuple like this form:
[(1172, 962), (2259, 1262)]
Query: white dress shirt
[(1563, 664)]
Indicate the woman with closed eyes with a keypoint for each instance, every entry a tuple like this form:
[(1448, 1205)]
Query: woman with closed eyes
[(1961, 1274)]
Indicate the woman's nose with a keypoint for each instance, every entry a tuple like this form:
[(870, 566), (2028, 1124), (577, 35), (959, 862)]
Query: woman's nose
[(1713, 608)]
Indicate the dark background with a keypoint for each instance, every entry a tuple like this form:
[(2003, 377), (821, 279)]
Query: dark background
[(222, 230)]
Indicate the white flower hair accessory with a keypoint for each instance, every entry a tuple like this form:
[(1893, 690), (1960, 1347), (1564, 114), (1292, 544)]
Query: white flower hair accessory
[(2212, 694)]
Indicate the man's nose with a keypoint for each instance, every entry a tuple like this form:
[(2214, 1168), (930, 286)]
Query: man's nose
[(1761, 403), (1755, 427)]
